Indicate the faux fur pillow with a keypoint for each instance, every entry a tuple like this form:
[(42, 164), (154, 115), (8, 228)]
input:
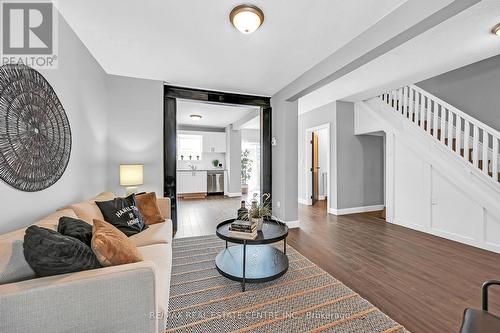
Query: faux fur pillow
[(50, 253), (148, 206), (75, 228), (111, 246)]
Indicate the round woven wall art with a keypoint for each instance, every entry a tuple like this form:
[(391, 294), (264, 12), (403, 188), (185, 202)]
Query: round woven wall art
[(35, 136)]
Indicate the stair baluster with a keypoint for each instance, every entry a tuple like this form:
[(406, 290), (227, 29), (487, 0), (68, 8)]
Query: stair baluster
[(458, 134), (467, 126), (485, 143), (450, 130), (443, 123), (435, 124), (461, 133)]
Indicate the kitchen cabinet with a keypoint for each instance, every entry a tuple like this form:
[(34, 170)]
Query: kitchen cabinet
[(214, 142), (191, 182)]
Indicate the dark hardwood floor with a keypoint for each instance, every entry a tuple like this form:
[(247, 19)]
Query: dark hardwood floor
[(422, 281)]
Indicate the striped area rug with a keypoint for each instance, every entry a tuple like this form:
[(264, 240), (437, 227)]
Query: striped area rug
[(305, 299)]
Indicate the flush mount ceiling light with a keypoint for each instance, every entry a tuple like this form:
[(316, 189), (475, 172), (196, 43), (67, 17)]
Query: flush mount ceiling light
[(496, 29), (246, 18), (195, 117)]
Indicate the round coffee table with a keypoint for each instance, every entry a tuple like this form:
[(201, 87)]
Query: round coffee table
[(253, 260)]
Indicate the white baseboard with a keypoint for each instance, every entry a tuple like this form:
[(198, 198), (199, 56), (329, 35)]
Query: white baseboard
[(354, 210), (321, 197), (232, 195), (292, 224), (304, 202)]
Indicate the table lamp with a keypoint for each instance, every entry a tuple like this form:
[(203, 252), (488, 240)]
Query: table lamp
[(131, 175)]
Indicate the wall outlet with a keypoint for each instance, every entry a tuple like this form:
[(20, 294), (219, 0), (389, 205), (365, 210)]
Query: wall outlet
[(278, 204)]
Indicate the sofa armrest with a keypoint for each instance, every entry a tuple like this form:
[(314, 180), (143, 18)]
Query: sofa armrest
[(165, 208), (119, 298)]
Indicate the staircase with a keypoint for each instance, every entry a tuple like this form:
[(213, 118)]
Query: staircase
[(472, 140)]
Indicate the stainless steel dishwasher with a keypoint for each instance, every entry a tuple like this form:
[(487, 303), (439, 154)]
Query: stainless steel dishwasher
[(215, 181)]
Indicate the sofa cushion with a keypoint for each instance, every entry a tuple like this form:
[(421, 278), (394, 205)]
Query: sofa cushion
[(161, 256), (123, 214), (148, 206), (52, 221), (75, 228), (165, 207), (50, 253), (13, 265), (111, 246), (159, 233), (103, 196), (86, 210)]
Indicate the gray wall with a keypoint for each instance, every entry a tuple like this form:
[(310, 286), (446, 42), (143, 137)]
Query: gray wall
[(285, 154), (473, 89), (360, 163), (135, 134), (80, 84), (322, 115), (233, 160)]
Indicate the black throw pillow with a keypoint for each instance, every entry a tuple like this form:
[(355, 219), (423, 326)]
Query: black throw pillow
[(123, 214), (75, 228), (50, 253)]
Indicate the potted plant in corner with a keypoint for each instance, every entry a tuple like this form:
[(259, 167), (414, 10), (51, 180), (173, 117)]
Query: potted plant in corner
[(246, 169), (259, 212)]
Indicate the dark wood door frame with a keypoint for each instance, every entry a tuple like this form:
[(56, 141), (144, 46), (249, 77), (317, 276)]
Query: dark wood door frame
[(314, 168), (171, 94)]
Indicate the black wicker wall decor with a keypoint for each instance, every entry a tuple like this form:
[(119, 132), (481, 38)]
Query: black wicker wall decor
[(35, 136)]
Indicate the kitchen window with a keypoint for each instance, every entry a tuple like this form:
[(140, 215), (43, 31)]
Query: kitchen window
[(189, 147)]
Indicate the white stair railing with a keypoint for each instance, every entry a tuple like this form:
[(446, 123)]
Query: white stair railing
[(472, 140)]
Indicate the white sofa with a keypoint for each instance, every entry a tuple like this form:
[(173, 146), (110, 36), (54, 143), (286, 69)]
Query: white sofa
[(125, 298)]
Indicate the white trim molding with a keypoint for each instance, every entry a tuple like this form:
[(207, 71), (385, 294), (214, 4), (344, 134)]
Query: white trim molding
[(304, 202), (355, 210), (232, 195), (292, 224)]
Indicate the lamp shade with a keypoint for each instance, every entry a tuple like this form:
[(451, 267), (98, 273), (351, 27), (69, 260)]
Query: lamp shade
[(131, 174)]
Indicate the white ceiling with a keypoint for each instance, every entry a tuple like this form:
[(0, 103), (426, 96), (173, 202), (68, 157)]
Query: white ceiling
[(252, 124), (192, 43), (459, 41), (213, 115)]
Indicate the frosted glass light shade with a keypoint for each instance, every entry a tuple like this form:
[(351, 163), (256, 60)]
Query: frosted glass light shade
[(246, 18), (496, 30), (131, 174)]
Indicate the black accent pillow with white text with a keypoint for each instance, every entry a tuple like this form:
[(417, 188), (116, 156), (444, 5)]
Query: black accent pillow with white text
[(123, 214)]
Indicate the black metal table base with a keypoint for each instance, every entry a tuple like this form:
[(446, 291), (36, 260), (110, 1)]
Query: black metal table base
[(252, 263)]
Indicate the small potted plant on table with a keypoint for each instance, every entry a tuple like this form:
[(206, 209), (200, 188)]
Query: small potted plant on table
[(259, 212)]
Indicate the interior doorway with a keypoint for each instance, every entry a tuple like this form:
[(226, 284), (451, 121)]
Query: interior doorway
[(318, 166), (195, 149)]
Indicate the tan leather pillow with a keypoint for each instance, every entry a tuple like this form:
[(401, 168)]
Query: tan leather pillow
[(111, 246), (148, 206)]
